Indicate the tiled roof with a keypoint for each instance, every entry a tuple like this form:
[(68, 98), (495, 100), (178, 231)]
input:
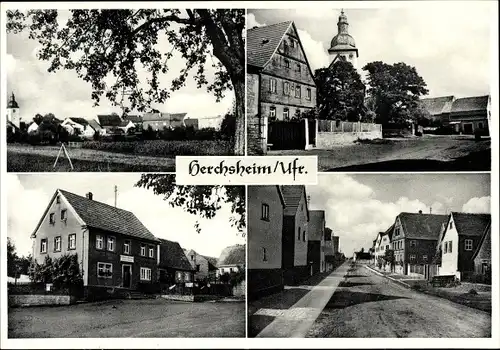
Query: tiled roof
[(468, 224), (389, 232), (81, 121), (422, 226), (109, 120), (94, 125), (470, 104), (212, 262), (486, 241), (172, 256), (438, 105), (177, 116), (133, 118), (316, 221), (263, 41), (292, 196), (106, 217), (233, 255)]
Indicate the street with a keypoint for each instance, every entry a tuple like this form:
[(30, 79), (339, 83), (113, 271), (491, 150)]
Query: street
[(151, 318), (369, 306)]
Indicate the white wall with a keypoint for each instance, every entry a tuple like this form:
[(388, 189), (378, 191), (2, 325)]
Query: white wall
[(449, 261)]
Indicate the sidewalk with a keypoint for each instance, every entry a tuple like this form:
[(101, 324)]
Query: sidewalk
[(296, 321)]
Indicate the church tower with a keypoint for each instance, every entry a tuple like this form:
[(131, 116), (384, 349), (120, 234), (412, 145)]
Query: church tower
[(13, 114), (342, 44)]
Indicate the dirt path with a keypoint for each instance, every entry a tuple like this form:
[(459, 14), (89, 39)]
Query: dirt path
[(369, 306)]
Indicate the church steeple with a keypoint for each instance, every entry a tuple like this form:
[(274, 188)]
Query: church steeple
[(343, 45), (12, 102), (342, 24)]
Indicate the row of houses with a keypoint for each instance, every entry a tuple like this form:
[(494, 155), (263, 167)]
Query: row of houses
[(427, 245), (116, 250), (287, 242)]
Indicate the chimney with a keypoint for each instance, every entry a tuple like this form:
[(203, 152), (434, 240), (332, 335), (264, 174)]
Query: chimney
[(430, 210), (89, 195), (420, 211)]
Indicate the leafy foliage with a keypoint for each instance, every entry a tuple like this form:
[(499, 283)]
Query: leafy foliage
[(395, 90), (11, 259), (340, 92), (390, 258), (109, 47), (62, 272), (204, 201)]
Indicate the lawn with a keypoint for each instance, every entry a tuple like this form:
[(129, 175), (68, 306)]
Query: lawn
[(151, 318)]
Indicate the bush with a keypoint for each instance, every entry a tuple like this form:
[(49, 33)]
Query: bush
[(228, 127), (63, 272), (472, 292)]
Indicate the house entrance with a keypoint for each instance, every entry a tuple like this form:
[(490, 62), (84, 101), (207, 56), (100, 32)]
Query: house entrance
[(127, 275), (283, 135)]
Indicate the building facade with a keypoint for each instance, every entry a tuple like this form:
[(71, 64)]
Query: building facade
[(205, 267), (316, 242), (173, 265), (265, 230), (471, 114)]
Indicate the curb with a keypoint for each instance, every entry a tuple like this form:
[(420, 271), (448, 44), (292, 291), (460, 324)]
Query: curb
[(389, 278)]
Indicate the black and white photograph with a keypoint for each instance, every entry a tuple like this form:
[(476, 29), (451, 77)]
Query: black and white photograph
[(372, 89), (124, 256), (368, 256), (123, 89)]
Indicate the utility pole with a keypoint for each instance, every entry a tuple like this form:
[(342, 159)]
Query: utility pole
[(116, 191), (430, 210)]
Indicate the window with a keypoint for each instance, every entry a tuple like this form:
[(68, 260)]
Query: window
[(468, 244), (308, 94), (111, 244), (449, 246), (445, 248), (151, 252), (72, 241), (298, 237), (272, 113), (192, 257), (58, 199), (303, 236), (265, 212), (230, 269), (57, 244), (396, 232), (286, 88), (286, 114), (413, 243), (292, 43), (285, 46), (187, 277), (297, 91), (126, 247), (412, 257), (272, 85), (43, 245), (451, 225), (104, 270), (264, 254), (287, 64), (351, 56), (297, 68), (480, 125), (99, 242), (143, 251), (424, 257), (198, 268), (52, 219), (63, 214), (387, 247), (145, 274)]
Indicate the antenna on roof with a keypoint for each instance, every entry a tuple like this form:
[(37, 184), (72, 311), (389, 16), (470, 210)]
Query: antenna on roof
[(116, 191)]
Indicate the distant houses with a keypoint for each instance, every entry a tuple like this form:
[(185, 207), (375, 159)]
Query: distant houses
[(205, 267), (232, 260)]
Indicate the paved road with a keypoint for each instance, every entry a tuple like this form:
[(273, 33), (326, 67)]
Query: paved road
[(368, 305), (129, 318)]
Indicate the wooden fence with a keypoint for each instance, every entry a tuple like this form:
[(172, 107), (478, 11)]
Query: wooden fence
[(341, 126)]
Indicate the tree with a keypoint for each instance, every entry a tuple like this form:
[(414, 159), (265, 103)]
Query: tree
[(12, 259), (38, 118), (340, 92), (228, 126), (204, 201), (101, 43), (389, 258), (395, 89)]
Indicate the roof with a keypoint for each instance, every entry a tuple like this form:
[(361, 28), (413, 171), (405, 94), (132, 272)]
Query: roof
[(212, 261), (292, 196), (12, 102), (81, 121), (177, 116), (11, 124), (486, 234), (109, 120), (470, 104), (438, 105), (125, 123), (316, 220), (94, 125), (133, 118), (389, 232), (106, 217), (233, 255), (172, 256), (263, 41), (468, 224), (422, 226)]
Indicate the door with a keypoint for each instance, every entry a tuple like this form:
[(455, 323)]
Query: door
[(284, 135), (468, 128), (127, 276)]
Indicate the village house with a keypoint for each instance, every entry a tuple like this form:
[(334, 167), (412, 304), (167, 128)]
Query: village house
[(109, 122), (328, 250), (115, 250), (471, 114), (295, 230), (95, 125), (439, 108), (135, 119), (280, 82), (78, 126), (265, 231), (414, 241), (232, 260), (205, 267), (463, 235), (482, 257), (174, 267), (33, 127), (159, 121), (383, 243), (316, 242)]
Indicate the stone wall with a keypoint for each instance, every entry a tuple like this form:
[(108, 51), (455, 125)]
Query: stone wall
[(330, 139), (178, 297), (256, 133), (40, 299), (240, 289)]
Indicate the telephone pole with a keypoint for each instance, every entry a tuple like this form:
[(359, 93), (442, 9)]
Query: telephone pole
[(116, 191)]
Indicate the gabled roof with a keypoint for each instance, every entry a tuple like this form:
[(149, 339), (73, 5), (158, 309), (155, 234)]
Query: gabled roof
[(263, 41), (125, 123), (81, 121), (468, 224), (316, 220), (172, 256), (438, 105), (233, 255), (212, 262), (389, 232), (94, 125), (103, 216), (109, 120), (470, 104), (292, 195), (486, 233), (422, 226), (133, 118), (177, 116)]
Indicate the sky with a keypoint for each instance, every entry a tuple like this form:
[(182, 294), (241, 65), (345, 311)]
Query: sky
[(448, 44), (65, 95), (29, 195), (359, 206)]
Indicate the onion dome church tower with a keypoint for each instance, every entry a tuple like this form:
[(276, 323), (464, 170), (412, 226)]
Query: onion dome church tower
[(13, 114), (343, 44)]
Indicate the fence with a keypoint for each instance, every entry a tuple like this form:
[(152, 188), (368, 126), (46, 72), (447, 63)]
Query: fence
[(341, 126), (221, 289), (335, 132)]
